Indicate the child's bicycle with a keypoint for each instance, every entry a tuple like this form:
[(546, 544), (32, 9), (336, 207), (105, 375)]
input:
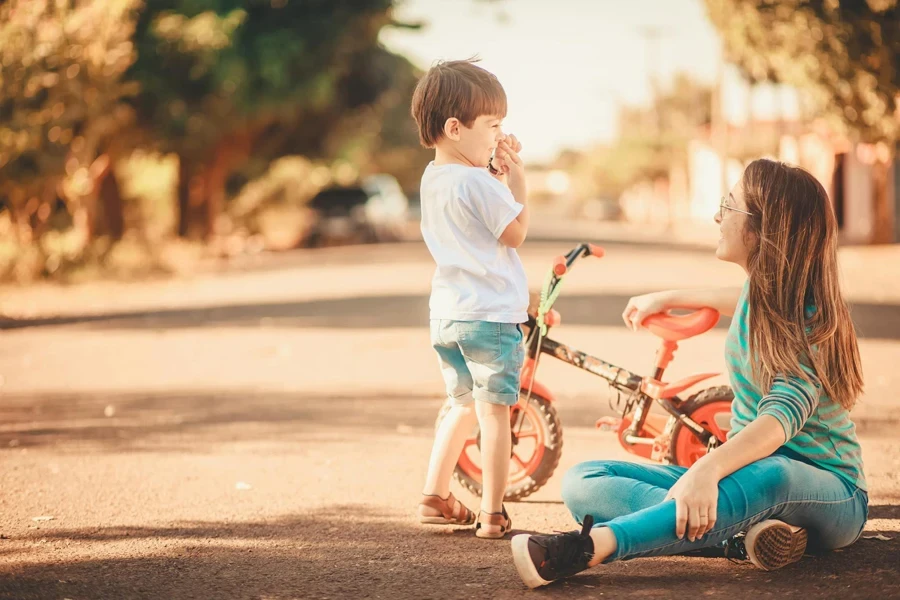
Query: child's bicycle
[(691, 428)]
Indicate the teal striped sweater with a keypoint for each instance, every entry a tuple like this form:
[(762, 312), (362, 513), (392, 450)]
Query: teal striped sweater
[(815, 426)]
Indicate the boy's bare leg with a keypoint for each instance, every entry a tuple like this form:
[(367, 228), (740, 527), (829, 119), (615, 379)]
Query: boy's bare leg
[(495, 449), (448, 444)]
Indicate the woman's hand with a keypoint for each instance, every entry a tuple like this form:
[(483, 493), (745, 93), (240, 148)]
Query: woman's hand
[(696, 497), (641, 307)]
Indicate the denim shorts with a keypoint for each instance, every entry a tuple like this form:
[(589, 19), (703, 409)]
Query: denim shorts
[(479, 360)]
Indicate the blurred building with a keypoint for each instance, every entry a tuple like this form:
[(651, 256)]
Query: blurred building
[(766, 120), (548, 186)]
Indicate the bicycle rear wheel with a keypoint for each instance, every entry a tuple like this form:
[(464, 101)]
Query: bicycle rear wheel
[(711, 409), (535, 453)]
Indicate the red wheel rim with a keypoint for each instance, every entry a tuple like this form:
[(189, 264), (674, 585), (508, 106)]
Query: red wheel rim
[(526, 455), (712, 417)]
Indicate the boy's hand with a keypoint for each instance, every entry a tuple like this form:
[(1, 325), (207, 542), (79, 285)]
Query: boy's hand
[(501, 160), (510, 165)]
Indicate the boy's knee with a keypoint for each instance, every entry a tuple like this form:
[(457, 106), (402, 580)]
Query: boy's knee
[(489, 409), (467, 409)]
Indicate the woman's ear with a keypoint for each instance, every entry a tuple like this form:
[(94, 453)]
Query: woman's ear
[(451, 129)]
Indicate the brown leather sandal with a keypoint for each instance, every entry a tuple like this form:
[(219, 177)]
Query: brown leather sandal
[(452, 511), (500, 520)]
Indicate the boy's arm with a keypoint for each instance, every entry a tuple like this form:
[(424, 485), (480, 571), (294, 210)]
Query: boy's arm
[(517, 230)]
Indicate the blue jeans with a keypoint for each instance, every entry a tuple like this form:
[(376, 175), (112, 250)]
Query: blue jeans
[(480, 360), (628, 498)]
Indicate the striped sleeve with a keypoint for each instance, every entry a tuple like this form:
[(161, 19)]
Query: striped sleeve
[(792, 401)]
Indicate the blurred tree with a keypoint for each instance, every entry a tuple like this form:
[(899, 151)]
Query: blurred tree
[(395, 149), (378, 135), (845, 53), (61, 99), (224, 81), (652, 139)]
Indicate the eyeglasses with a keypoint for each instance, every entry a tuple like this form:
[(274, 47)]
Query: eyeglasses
[(723, 207)]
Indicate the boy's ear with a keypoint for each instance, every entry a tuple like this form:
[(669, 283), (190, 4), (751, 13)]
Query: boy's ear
[(451, 129)]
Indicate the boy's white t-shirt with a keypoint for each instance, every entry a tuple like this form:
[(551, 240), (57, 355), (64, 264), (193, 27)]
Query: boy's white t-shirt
[(464, 212)]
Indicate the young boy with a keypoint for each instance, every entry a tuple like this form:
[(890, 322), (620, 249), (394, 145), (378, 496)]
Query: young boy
[(472, 223)]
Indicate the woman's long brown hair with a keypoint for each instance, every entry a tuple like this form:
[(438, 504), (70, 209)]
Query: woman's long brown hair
[(794, 267)]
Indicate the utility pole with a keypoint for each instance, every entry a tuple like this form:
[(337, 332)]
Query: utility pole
[(652, 37), (718, 124)]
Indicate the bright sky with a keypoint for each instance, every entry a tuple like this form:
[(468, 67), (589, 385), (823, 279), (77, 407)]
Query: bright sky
[(565, 64)]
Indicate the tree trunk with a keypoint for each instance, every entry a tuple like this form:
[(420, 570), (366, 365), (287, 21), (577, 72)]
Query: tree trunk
[(883, 230), (201, 187), (111, 220), (193, 199), (229, 152), (21, 216), (184, 196), (216, 175)]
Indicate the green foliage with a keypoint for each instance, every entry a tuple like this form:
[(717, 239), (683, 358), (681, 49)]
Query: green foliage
[(651, 140), (226, 85), (61, 90), (211, 67), (846, 52)]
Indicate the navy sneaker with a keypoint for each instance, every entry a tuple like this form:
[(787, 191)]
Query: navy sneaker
[(542, 559), (733, 549)]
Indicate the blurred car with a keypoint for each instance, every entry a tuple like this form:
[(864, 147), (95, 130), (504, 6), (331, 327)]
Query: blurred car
[(415, 207), (375, 210)]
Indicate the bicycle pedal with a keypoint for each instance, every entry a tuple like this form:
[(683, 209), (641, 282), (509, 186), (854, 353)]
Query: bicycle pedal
[(660, 448), (608, 423)]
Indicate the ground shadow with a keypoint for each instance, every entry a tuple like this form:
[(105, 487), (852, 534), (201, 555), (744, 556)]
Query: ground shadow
[(885, 511), (192, 420), (356, 552), (873, 321)]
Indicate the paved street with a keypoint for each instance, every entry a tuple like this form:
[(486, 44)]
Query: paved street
[(262, 430)]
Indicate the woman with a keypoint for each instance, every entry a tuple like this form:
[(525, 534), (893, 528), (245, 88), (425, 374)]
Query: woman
[(791, 470)]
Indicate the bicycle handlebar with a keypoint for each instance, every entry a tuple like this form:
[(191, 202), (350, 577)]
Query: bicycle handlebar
[(581, 250), (562, 264), (559, 266)]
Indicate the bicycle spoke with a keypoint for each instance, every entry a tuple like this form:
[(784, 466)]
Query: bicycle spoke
[(519, 461)]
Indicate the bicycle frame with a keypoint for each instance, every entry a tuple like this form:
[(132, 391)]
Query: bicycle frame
[(642, 391)]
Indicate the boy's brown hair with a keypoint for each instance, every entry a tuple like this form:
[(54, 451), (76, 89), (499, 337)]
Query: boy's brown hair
[(458, 89)]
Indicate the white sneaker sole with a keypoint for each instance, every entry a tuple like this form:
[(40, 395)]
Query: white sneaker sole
[(524, 565), (774, 544)]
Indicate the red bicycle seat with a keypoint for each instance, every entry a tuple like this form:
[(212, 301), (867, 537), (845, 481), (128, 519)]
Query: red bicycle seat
[(674, 328)]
